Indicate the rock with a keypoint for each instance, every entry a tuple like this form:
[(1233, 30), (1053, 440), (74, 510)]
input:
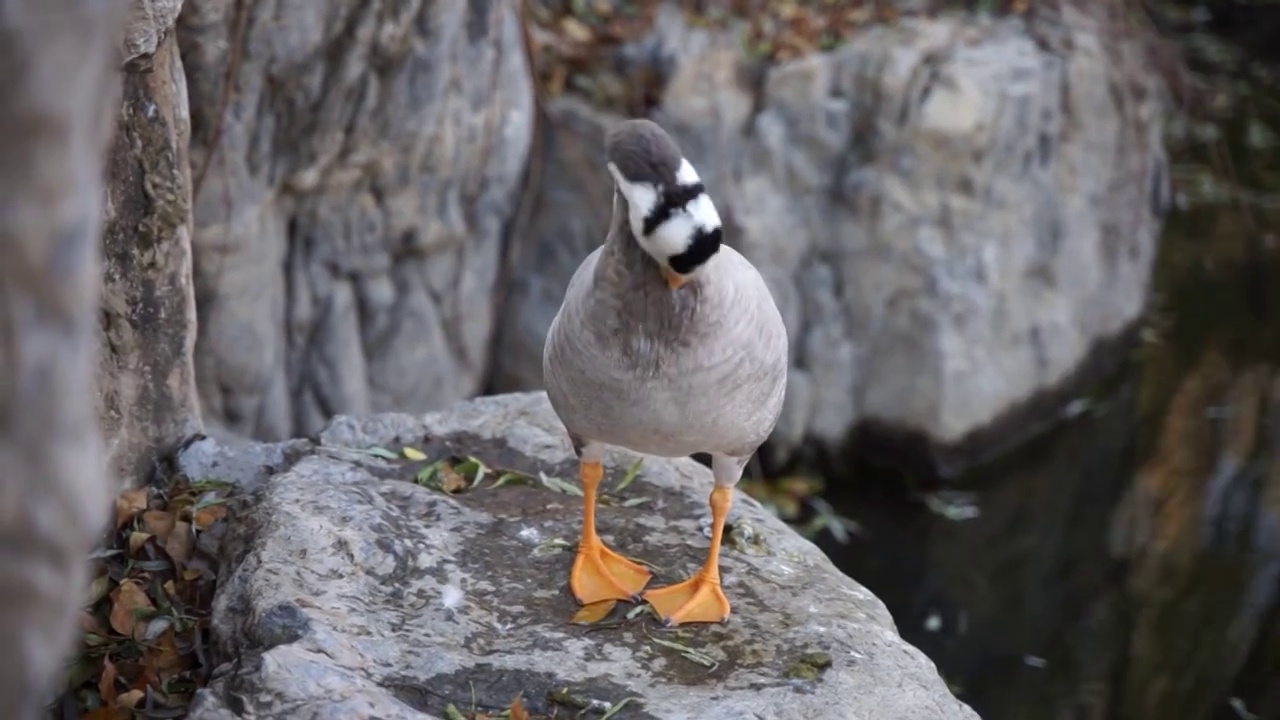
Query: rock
[(58, 101), (351, 191), (235, 460), (954, 214), (150, 23), (350, 591), (146, 380)]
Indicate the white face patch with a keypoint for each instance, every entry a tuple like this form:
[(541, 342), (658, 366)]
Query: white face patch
[(677, 232)]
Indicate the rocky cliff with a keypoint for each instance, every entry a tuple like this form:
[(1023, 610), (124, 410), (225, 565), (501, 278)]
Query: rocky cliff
[(955, 211)]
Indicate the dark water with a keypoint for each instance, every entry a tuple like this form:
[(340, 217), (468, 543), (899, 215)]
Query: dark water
[(1126, 563)]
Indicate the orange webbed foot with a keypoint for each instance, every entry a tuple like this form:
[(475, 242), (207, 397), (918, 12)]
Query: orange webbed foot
[(696, 600), (602, 574)]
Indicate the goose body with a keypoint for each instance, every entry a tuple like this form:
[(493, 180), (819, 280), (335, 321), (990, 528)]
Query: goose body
[(628, 362), (667, 343)]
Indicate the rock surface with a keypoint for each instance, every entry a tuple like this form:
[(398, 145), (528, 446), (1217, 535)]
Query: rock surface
[(352, 186), (58, 101), (146, 379), (953, 213), (150, 24), (350, 591)]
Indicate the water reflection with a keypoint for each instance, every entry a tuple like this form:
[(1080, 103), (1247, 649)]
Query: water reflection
[(1126, 564)]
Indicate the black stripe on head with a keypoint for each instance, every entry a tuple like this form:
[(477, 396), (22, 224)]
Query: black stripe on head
[(673, 199), (705, 244)]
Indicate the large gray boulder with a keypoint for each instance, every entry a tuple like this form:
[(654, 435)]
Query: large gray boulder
[(355, 165), (348, 590), (954, 213)]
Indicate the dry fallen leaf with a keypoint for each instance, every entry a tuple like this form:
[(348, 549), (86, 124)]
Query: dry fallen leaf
[(158, 523), (593, 612), (125, 600), (137, 540), (207, 516), (180, 544), (107, 683), (451, 481), (91, 624), (162, 658), (107, 713), (98, 589), (517, 711), (576, 30), (130, 503), (130, 699)]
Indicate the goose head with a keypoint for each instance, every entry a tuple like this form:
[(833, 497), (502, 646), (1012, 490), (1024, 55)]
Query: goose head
[(668, 210)]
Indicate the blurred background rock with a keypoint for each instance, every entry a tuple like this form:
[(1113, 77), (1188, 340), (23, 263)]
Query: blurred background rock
[(1026, 251)]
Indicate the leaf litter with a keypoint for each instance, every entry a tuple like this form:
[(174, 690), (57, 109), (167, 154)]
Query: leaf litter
[(145, 622), (580, 46)]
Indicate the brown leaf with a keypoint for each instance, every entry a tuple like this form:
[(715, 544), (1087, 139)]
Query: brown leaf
[(91, 624), (162, 659), (180, 543), (130, 503), (576, 30), (98, 589), (125, 600), (158, 523), (517, 711), (131, 698), (593, 612), (137, 540), (106, 713), (208, 515), (170, 588), (107, 683), (451, 481), (191, 574)]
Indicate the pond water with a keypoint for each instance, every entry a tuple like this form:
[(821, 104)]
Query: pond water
[(1125, 563)]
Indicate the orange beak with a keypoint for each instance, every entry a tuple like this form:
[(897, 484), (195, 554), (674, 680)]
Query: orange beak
[(674, 279)]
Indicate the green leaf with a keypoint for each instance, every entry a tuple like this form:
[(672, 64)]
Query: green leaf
[(614, 710), (632, 473), (689, 653), (552, 546), (382, 452), (558, 485), (425, 475), (512, 477)]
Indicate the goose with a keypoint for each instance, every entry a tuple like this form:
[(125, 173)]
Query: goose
[(668, 343)]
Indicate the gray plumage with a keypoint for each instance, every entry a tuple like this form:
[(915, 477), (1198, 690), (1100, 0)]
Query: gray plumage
[(632, 363), (643, 152)]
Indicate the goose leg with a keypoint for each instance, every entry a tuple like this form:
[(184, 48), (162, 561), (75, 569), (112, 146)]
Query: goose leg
[(699, 599), (598, 572)]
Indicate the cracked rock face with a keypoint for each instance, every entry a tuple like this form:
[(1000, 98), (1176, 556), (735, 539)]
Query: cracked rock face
[(350, 591), (953, 214), (350, 192), (146, 386)]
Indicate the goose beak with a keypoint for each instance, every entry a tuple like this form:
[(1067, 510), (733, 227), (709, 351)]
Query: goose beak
[(674, 279)]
